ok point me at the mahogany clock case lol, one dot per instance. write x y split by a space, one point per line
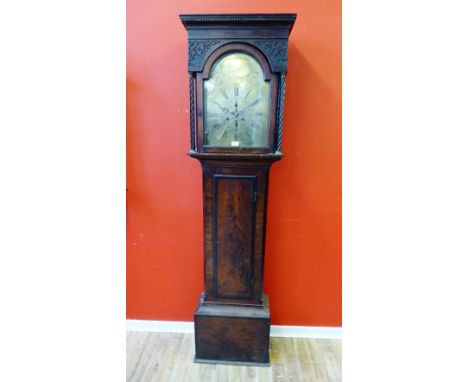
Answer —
232 319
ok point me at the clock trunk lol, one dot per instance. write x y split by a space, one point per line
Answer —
234 203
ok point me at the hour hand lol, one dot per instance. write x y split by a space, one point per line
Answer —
223 108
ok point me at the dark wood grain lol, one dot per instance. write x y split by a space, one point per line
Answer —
243 223
235 232
236 333
232 339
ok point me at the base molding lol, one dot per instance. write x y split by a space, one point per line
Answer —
256 364
275 330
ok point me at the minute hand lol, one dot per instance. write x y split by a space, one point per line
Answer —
252 104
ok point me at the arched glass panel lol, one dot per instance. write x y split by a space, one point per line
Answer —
237 101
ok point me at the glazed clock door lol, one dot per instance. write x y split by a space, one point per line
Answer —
235 93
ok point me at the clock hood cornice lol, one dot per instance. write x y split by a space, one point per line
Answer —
241 19
267 32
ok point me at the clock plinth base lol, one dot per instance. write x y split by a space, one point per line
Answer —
232 334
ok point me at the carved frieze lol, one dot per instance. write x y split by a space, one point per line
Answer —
198 50
275 50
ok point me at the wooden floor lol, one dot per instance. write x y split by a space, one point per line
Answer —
169 357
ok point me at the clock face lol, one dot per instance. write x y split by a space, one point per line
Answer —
237 100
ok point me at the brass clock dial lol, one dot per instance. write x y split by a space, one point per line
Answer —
237 102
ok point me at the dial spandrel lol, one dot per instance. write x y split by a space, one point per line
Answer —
237 102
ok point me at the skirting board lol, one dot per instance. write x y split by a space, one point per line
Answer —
275 331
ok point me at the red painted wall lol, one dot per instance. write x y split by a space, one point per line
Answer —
164 204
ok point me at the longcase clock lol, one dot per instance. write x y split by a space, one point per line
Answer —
237 67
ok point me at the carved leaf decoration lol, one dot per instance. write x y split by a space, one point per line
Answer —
276 52
198 50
